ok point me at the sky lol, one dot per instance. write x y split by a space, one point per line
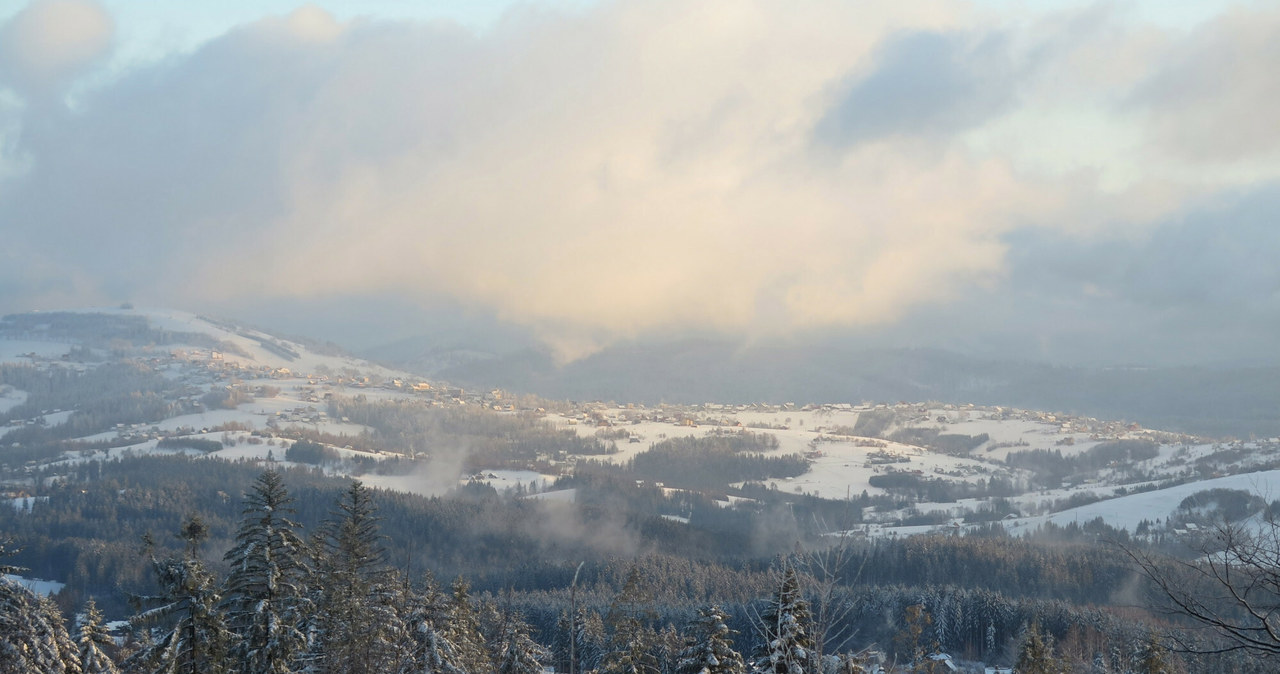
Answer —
1067 181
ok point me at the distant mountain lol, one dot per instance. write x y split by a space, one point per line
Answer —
1212 401
100 333
1204 400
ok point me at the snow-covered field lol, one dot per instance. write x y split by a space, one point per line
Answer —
45 587
841 465
11 397
1126 512
18 350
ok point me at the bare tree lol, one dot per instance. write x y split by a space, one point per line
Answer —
1231 589
828 574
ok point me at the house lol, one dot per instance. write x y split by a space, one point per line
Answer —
944 659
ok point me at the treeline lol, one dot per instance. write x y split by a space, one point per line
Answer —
86 527
198 444
99 398
1051 467
954 444
715 461
919 487
331 603
334 602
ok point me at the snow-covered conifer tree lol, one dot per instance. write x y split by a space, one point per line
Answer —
356 624
265 598
190 635
784 624
92 639
631 638
33 637
463 630
710 649
631 650
1036 654
429 649
67 651
1153 658
518 653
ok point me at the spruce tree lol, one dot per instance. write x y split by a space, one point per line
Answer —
429 649
356 626
909 642
190 634
66 647
518 653
587 631
631 638
787 646
265 599
463 630
33 637
92 640
1154 658
710 649
1036 655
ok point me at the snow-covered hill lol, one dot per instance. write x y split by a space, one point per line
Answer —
242 392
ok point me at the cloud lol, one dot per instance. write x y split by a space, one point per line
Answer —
47 43
1213 96
628 170
1216 257
924 83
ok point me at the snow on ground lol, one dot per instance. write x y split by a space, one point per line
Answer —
1012 433
841 468
286 354
46 587
10 398
255 348
56 418
254 415
1125 512
24 503
424 482
16 350
506 479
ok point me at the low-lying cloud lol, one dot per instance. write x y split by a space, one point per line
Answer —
630 169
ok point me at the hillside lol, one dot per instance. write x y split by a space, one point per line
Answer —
121 423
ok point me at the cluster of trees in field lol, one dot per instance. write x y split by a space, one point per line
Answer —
919 487
955 444
715 461
1051 467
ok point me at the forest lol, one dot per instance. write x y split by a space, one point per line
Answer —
168 543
